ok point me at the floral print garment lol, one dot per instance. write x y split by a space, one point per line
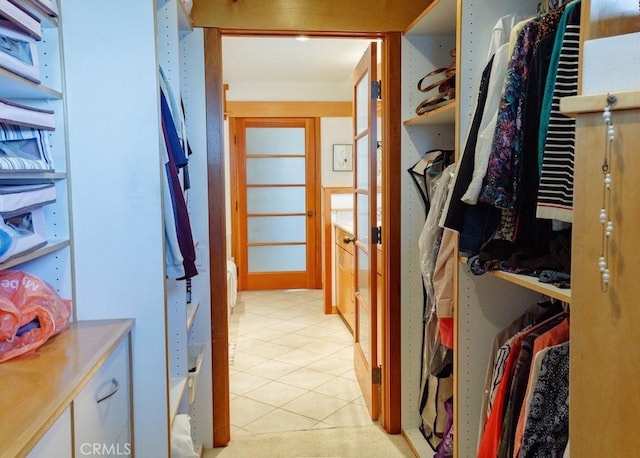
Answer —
500 182
546 429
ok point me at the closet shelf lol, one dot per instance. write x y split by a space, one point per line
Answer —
184 19
445 114
416 442
14 177
439 18
531 283
192 309
40 12
195 357
52 246
177 386
13 86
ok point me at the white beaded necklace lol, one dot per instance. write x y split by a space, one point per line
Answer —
605 210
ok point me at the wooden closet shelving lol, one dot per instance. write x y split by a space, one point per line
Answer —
445 114
484 303
426 45
531 283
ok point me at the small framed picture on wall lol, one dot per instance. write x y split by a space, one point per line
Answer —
343 158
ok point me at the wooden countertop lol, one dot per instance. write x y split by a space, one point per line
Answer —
37 388
345 226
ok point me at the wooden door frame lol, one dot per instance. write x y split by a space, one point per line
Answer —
392 171
313 203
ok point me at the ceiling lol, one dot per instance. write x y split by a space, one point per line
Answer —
285 59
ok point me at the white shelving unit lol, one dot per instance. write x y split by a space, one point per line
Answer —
53 262
198 327
102 81
125 165
181 56
111 78
426 45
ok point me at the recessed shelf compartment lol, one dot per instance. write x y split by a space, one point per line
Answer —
437 19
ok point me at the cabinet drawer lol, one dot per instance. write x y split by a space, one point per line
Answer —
341 240
101 409
57 439
345 285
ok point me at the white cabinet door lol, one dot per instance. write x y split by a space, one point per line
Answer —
56 443
102 409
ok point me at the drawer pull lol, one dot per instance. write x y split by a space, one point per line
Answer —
348 240
114 389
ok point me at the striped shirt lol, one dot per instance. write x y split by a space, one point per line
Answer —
555 193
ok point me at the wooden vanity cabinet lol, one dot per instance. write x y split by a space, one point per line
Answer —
344 268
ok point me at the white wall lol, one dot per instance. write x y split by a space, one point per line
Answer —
290 91
334 131
116 180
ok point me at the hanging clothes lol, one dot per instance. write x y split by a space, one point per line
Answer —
436 380
487 129
477 223
532 234
535 314
555 336
546 431
500 182
518 388
555 193
490 440
174 159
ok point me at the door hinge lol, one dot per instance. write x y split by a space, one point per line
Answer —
376 375
235 139
376 234
376 90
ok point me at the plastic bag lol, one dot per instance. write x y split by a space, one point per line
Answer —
181 442
31 312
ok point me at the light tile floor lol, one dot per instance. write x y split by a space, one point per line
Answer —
347 442
291 366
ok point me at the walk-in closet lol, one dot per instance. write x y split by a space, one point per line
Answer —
506 236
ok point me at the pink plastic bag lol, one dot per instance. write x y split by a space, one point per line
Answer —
25 299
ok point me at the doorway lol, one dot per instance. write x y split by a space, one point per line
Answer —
390 356
275 196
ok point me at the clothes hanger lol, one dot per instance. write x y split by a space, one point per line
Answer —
544 7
